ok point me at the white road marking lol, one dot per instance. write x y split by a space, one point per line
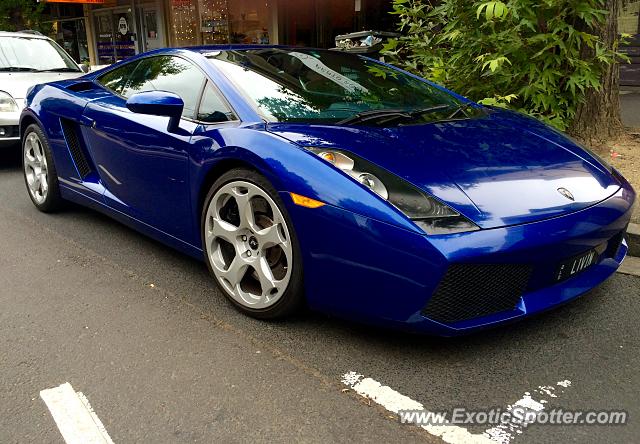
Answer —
500 434
394 402
74 416
504 433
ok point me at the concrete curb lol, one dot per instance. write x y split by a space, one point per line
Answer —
633 239
631 265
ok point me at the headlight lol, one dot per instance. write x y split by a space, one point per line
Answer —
427 212
7 104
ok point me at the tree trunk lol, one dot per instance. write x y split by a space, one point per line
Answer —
17 19
598 118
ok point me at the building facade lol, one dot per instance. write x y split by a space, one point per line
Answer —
102 32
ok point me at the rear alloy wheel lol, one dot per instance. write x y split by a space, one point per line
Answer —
250 245
39 171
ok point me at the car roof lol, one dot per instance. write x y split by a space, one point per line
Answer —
29 34
240 47
204 50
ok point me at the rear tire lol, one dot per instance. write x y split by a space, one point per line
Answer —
250 245
39 171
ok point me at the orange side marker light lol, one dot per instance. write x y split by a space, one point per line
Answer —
305 201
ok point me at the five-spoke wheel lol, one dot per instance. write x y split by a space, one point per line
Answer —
35 167
39 170
249 244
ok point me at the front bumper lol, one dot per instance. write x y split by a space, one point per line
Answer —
9 128
365 270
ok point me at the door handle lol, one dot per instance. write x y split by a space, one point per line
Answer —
87 121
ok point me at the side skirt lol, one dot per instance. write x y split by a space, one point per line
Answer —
76 196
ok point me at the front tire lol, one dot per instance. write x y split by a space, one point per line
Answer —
40 174
250 245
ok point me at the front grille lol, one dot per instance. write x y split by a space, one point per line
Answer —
473 290
70 131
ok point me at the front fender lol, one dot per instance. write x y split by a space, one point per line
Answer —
289 168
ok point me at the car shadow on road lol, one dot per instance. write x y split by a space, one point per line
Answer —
210 301
10 158
189 279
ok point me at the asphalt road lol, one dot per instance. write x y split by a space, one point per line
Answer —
141 330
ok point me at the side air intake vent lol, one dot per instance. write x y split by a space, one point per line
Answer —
470 291
82 85
70 130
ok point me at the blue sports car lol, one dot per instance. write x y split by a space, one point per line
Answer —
317 177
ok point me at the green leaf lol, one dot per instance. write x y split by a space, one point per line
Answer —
537 56
492 9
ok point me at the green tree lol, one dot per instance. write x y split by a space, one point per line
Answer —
16 15
543 57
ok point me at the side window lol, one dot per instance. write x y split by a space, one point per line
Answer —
167 73
117 79
213 108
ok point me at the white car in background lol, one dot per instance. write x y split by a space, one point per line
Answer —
27 59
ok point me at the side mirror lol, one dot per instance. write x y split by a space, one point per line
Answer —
84 68
158 103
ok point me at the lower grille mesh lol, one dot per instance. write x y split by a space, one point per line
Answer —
70 131
473 290
614 243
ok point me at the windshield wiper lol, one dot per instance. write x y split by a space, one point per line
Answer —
390 113
59 70
461 109
17 69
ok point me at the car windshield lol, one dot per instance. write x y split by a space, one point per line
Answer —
22 53
291 85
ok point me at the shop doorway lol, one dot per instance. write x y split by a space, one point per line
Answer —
153 36
115 35
315 23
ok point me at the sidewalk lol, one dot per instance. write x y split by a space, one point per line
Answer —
630 108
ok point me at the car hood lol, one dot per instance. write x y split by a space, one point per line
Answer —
18 83
500 169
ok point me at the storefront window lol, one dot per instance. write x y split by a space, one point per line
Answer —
214 21
249 21
210 22
72 36
185 22
184 18
104 38
151 25
115 39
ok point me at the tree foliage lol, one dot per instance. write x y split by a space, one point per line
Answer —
16 15
537 56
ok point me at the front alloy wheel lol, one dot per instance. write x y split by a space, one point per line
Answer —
250 246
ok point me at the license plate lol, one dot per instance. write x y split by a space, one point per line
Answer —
576 264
